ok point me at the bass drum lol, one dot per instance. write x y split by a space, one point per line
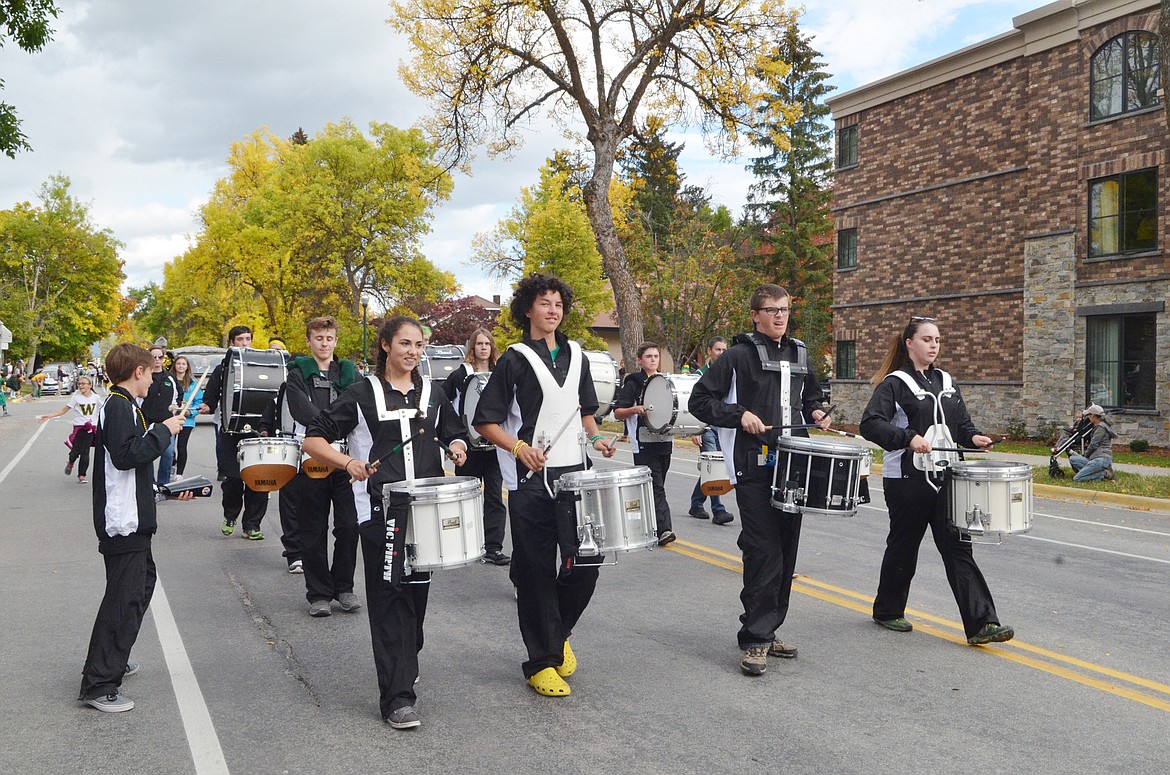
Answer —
606 379
472 389
665 397
251 381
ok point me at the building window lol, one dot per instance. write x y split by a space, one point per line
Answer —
846 360
846 248
847 146
1123 75
1120 363
1123 213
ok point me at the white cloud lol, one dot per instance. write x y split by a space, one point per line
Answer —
138 101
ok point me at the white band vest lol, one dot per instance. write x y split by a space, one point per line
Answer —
404 416
938 434
557 404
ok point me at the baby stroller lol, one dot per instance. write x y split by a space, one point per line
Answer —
1073 436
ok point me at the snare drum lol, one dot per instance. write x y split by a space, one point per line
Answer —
472 389
315 469
614 509
816 477
267 464
989 499
445 529
251 380
606 379
713 474
665 397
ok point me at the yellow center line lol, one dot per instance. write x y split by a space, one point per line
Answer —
861 603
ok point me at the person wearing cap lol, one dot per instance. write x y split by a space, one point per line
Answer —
1097 462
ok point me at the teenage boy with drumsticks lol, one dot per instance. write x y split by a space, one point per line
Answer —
125 521
650 449
740 395
527 409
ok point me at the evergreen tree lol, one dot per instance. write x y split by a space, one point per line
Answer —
789 204
650 167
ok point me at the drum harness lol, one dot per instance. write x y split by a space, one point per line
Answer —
788 373
933 463
403 416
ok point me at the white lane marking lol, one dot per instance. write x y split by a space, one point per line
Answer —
201 738
8 468
1092 548
1102 524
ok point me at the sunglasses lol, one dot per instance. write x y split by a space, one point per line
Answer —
921 319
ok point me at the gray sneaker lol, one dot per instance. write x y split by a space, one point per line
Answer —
319 608
348 602
755 661
132 668
403 718
111 703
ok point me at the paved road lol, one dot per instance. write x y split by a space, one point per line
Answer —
237 678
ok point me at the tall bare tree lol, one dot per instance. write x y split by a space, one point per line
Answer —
490 66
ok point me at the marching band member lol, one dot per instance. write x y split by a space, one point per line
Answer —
314 382
708 441
740 396
650 449
236 495
533 408
164 394
394 420
898 418
482 356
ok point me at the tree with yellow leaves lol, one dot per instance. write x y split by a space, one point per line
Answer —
488 66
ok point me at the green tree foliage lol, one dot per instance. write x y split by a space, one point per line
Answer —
61 275
789 203
548 232
26 22
650 167
305 228
695 281
489 67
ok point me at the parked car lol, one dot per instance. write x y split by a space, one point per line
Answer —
65 383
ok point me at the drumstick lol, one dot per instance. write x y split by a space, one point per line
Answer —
965 449
373 465
198 387
576 413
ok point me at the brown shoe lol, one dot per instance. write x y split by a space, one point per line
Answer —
755 661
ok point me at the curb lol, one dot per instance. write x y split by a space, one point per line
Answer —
1141 502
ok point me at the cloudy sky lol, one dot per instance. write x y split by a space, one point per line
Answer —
137 102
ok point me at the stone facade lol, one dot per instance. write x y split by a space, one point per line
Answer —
970 201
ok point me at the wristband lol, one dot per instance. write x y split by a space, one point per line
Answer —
595 438
519 445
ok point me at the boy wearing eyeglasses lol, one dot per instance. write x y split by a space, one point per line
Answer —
741 396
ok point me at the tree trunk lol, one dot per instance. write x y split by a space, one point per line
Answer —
1164 58
613 257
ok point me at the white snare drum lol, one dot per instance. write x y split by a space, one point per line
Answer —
713 478
614 509
445 529
665 397
267 464
606 379
990 499
314 469
816 477
472 389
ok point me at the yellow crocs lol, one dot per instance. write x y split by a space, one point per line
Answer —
569 665
549 684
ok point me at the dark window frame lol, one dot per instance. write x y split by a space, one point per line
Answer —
847 255
847 149
1125 216
1125 78
1134 379
845 359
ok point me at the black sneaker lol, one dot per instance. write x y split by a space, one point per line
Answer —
900 624
69 468
404 718
496 558
699 513
992 632
722 518
755 661
666 537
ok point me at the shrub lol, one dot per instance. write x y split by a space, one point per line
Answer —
1139 445
1017 429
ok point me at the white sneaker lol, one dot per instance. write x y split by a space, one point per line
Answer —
296 566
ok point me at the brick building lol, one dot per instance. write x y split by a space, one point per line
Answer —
1016 190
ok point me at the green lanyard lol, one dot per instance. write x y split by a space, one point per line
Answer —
141 416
